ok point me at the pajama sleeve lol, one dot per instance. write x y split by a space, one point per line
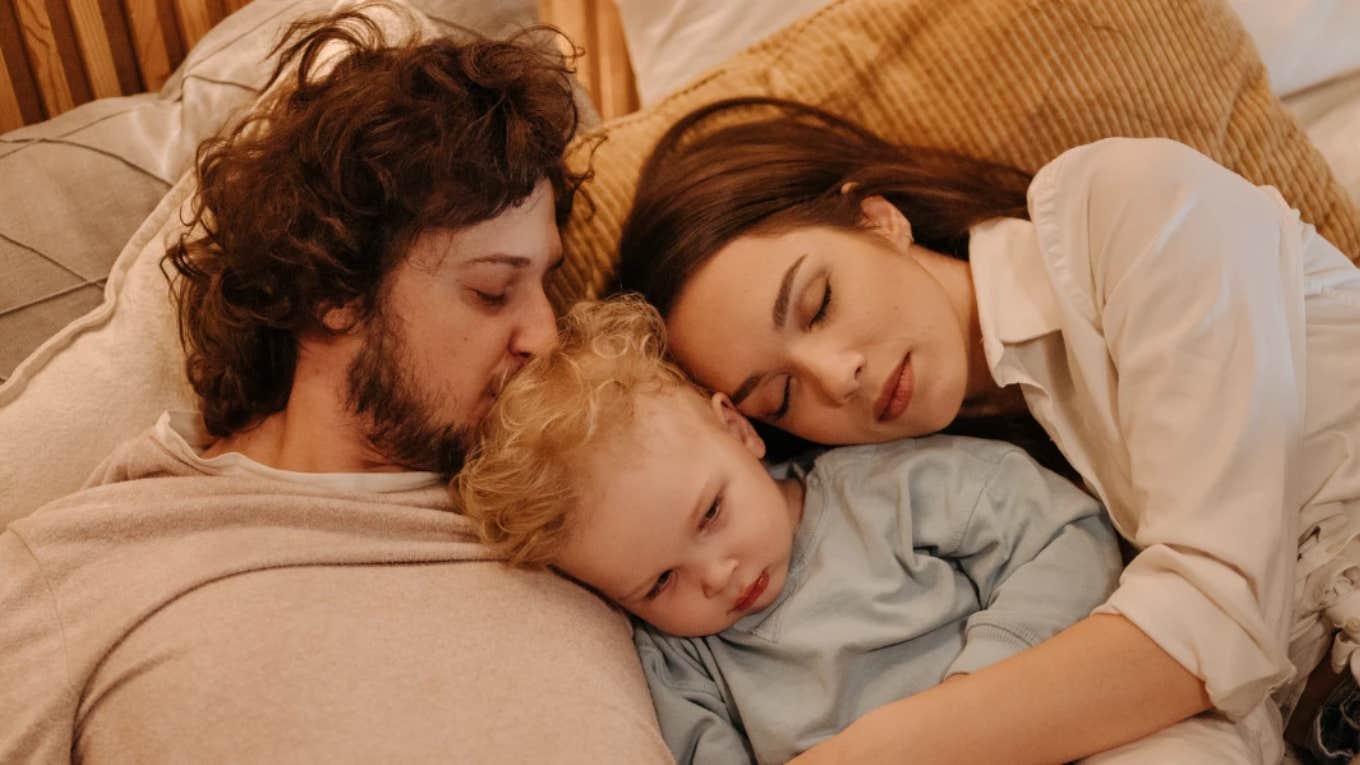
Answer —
696 719
1040 553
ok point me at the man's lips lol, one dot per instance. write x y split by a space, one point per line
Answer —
897 390
753 592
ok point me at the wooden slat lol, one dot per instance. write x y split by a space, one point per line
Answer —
20 77
44 56
617 92
148 36
94 47
236 5
195 18
121 46
11 116
574 17
69 51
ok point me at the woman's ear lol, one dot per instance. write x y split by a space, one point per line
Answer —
736 423
885 218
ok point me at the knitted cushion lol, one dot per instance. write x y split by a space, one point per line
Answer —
1013 81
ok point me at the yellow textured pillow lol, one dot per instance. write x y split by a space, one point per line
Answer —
1014 81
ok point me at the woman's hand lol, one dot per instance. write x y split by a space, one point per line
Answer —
856 743
1098 684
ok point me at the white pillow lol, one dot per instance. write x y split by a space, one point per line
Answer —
106 376
1330 115
671 43
1302 42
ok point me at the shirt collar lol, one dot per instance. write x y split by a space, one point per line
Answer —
183 433
1015 298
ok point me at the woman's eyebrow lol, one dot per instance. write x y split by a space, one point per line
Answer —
781 302
779 315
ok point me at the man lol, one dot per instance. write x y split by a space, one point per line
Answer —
279 576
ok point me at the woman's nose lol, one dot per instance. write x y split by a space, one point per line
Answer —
836 374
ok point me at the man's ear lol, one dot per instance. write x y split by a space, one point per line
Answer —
340 320
885 218
736 423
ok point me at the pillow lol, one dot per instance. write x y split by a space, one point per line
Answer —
669 43
107 375
76 186
1330 115
1012 81
1303 42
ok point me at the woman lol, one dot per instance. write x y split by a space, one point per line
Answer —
1179 334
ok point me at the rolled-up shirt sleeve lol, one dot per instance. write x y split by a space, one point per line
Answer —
1192 282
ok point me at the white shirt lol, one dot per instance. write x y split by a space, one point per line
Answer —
1194 350
183 434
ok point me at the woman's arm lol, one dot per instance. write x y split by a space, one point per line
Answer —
1181 292
1096 685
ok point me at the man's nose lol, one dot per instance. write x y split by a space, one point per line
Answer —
537 330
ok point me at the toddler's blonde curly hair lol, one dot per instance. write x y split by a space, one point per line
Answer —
522 484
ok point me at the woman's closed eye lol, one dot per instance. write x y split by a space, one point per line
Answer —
819 317
784 400
824 307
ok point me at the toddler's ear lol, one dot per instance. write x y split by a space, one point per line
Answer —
737 424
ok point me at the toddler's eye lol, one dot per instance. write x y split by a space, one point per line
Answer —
714 510
661 582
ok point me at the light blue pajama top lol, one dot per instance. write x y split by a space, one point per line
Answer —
914 560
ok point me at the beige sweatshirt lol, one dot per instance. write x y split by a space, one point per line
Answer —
170 615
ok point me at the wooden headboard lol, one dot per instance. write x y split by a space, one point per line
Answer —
57 54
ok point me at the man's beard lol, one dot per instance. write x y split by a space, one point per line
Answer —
400 418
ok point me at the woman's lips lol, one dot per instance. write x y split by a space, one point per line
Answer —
753 592
897 391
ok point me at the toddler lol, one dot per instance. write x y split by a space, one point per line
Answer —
775 610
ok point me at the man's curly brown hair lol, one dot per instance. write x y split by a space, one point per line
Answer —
312 200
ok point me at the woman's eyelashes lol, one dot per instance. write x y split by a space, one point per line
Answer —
824 307
784 399
819 316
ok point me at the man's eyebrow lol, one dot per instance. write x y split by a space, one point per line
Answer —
779 315
515 261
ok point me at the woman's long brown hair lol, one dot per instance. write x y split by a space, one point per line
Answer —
710 181
763 166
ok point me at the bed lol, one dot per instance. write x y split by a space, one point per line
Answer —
104 102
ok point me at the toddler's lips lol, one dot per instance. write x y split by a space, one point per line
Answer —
753 592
